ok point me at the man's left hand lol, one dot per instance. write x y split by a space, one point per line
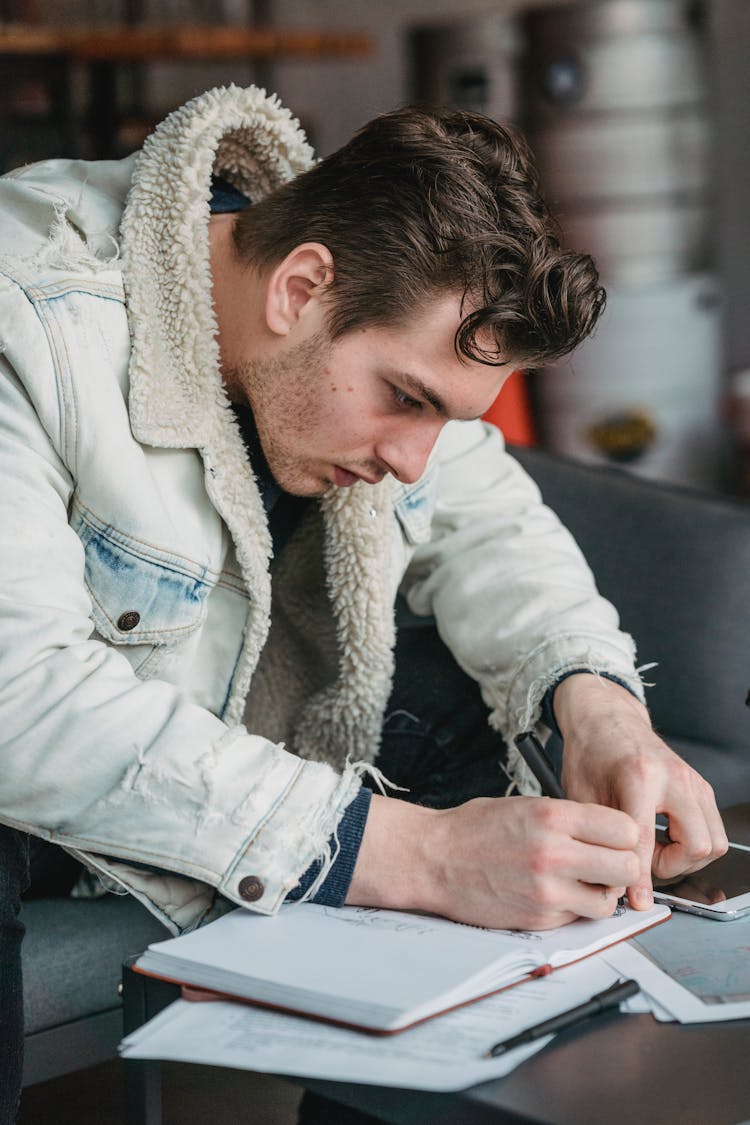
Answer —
614 757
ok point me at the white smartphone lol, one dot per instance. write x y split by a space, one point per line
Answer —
721 890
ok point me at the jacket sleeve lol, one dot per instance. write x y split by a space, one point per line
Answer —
510 590
108 765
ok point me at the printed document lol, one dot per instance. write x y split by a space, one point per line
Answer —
696 970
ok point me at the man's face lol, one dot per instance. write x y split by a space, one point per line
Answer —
370 403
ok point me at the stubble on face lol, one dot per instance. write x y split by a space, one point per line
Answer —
283 393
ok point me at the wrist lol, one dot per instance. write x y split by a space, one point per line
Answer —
396 865
582 698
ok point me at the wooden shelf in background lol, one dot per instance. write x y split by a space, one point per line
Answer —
142 44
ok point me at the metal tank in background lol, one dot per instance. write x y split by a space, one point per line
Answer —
616 104
468 63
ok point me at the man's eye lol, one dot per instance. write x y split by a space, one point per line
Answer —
406 401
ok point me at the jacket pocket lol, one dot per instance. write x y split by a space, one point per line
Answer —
139 594
414 506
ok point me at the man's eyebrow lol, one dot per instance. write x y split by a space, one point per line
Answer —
420 389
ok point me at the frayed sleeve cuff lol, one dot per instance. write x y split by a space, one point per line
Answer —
347 842
548 711
555 746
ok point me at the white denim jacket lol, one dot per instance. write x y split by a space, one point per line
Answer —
160 704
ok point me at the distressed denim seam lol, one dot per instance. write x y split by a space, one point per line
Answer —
152 553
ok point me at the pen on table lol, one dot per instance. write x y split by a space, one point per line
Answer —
533 754
602 1002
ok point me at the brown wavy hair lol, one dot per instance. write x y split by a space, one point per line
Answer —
426 201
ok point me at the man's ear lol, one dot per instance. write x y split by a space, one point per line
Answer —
296 286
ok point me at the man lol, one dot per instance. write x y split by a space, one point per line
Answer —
295 372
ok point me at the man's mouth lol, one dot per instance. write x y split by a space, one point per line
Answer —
344 479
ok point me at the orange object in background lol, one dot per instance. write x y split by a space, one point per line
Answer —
511 412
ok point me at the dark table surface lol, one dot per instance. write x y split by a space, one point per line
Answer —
627 1070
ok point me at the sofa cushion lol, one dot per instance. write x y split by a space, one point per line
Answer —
729 775
73 953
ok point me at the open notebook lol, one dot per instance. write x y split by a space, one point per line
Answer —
376 970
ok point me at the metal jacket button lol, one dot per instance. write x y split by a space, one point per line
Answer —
251 888
128 621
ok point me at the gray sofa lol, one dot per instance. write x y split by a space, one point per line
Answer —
675 563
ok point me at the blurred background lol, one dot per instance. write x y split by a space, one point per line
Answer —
636 111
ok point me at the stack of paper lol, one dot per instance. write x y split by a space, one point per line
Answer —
374 971
443 1054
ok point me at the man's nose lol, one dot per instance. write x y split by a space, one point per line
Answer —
405 457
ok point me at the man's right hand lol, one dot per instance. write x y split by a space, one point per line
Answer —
527 863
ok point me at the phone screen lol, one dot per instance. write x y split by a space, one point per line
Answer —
725 878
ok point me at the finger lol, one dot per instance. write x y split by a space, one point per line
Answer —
599 866
696 834
635 798
602 826
594 901
671 863
714 822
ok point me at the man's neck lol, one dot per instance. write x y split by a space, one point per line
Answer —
238 295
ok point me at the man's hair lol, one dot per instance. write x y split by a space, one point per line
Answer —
429 201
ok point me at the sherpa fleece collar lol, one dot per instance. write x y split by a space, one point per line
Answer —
177 397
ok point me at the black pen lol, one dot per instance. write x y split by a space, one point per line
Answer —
535 758
602 1002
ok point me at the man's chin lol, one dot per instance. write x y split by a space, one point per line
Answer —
309 488
314 492
309 480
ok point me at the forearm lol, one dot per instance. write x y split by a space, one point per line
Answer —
585 698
